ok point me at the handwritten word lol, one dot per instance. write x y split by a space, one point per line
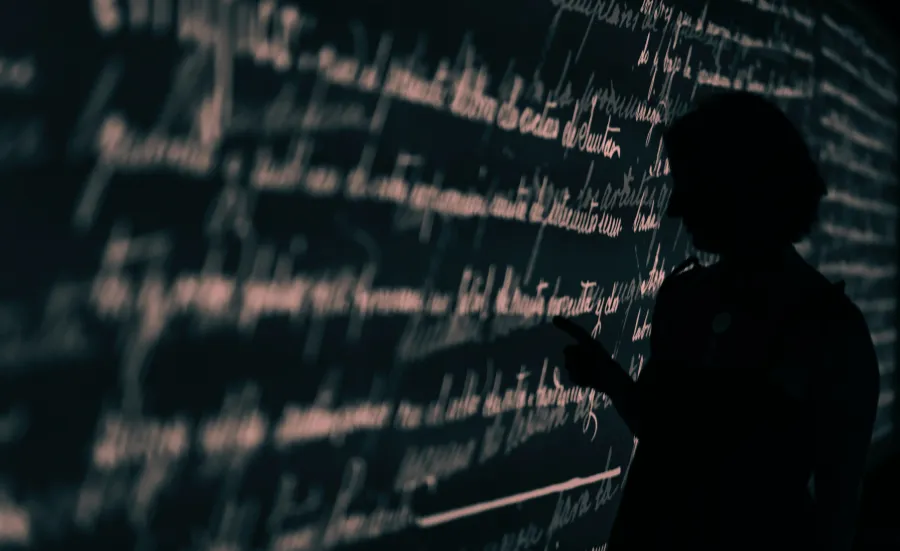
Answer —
527 121
123 442
345 526
301 424
835 122
126 149
590 142
845 157
829 89
427 465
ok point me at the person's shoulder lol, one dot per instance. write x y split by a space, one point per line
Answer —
681 283
828 301
843 322
847 322
686 274
676 292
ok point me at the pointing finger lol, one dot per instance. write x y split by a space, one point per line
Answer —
572 329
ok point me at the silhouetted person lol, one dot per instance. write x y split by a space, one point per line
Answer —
756 408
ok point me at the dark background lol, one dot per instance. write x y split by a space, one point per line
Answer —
879 529
880 512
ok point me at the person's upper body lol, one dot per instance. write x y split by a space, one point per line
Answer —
754 414
756 409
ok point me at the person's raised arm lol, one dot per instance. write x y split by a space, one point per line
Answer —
590 365
847 402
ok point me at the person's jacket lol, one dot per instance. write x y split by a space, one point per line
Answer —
750 394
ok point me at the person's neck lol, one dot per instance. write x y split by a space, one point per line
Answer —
757 259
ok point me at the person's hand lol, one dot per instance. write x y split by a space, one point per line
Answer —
587 362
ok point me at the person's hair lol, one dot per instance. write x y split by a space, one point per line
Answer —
748 143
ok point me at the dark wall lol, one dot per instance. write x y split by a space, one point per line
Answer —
286 285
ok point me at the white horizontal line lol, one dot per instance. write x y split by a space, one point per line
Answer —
883 431
853 201
887 336
850 100
884 92
842 126
877 305
857 269
853 37
856 235
478 508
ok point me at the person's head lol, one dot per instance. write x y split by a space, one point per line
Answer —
743 176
